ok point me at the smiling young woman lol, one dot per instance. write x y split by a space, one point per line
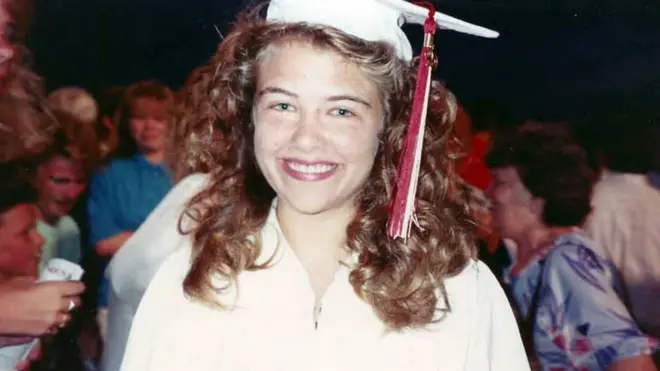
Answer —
279 254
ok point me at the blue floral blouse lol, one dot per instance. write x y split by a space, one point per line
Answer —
580 322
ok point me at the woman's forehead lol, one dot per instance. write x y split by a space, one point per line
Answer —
148 105
506 173
307 70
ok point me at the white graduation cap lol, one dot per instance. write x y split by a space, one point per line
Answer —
371 20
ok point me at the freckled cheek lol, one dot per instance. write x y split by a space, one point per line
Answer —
355 146
270 139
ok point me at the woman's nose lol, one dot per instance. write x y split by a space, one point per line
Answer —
307 134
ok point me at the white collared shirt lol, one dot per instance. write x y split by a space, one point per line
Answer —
272 326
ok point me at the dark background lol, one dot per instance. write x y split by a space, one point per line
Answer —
554 59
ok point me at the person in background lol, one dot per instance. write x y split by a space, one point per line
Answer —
61 177
475 138
20 249
27 308
123 193
76 102
90 343
625 221
567 293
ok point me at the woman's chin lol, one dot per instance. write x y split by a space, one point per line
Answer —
310 203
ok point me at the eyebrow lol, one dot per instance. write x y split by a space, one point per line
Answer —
275 90
333 98
352 98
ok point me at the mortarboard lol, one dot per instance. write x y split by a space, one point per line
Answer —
371 20
381 20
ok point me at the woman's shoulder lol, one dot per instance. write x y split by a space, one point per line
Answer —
176 266
473 272
574 246
112 171
159 236
475 294
167 282
473 287
182 192
117 164
481 309
192 184
573 260
66 224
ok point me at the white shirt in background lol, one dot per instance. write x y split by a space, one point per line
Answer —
625 223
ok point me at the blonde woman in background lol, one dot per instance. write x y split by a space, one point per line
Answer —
123 193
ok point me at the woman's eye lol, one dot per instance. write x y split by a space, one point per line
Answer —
342 112
282 107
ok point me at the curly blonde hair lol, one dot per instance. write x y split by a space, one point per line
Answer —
403 282
26 127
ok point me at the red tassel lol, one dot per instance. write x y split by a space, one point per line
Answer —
403 205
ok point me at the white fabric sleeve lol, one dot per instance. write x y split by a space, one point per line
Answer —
496 333
133 266
153 343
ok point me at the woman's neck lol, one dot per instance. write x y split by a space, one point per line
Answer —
43 217
155 157
318 240
536 241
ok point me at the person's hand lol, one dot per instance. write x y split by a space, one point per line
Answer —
28 307
34 355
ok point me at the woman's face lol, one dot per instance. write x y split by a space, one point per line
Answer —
7 47
317 118
514 207
149 124
20 243
60 182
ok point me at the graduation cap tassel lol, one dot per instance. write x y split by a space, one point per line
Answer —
402 213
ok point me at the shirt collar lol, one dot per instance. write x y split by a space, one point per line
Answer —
142 161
